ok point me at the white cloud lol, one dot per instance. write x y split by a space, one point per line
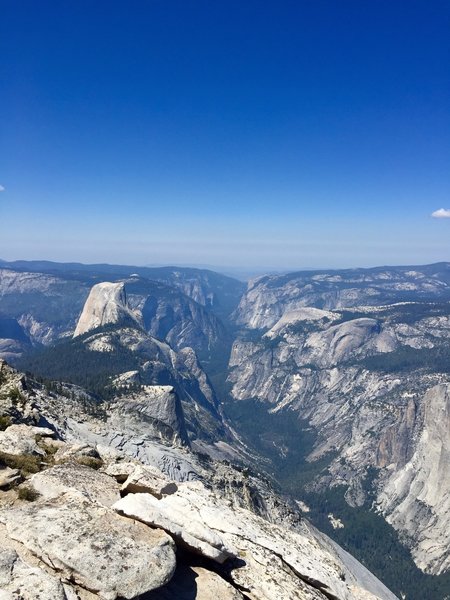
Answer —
2 189
442 213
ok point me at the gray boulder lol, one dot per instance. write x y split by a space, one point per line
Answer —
73 477
93 546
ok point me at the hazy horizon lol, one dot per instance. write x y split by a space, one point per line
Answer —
242 272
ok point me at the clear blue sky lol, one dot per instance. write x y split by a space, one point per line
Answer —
245 133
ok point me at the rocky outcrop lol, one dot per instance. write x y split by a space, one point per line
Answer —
178 516
21 439
154 411
76 478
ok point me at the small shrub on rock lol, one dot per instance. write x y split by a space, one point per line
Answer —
28 493
90 461
5 422
26 463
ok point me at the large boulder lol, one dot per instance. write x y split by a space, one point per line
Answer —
73 477
21 439
180 519
148 480
93 546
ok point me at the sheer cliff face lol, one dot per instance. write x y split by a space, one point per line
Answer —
105 305
372 382
416 497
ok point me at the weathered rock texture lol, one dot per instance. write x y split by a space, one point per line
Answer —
416 498
93 546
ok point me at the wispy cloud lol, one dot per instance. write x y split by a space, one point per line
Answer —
2 189
442 213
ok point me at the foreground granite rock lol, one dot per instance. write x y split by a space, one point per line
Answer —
271 562
21 580
178 516
93 546
76 478
21 439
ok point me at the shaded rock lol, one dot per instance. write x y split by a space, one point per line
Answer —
93 546
9 477
73 477
197 583
211 585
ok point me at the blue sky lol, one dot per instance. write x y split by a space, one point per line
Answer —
252 134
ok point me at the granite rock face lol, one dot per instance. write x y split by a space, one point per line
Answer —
105 305
416 498
93 546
